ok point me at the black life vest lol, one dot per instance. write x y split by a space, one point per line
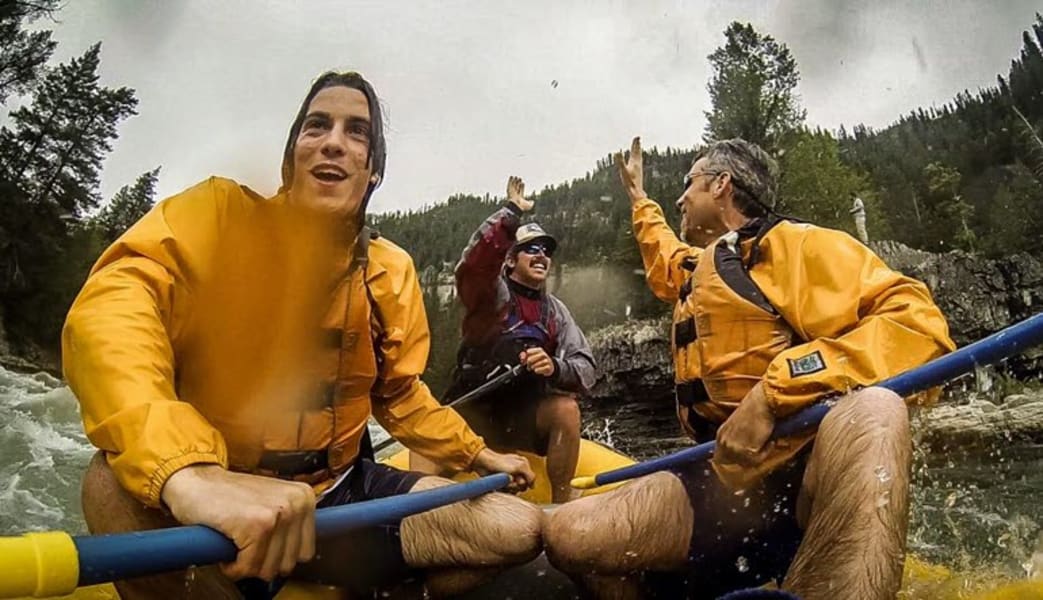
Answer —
477 363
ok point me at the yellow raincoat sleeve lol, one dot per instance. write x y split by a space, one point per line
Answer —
118 356
402 403
865 321
661 251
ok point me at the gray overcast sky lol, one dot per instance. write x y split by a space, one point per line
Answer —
467 85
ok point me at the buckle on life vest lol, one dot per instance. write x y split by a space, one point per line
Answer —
688 395
684 333
289 464
691 393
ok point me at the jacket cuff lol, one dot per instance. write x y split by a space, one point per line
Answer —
558 369
168 467
471 451
512 207
642 204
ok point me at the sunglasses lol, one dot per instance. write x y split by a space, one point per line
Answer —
689 178
534 248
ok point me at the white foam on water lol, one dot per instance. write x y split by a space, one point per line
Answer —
43 452
25 509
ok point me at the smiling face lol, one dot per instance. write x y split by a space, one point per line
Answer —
331 167
531 263
701 211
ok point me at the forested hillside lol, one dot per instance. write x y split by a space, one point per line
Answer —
967 175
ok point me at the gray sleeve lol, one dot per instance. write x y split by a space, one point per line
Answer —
575 370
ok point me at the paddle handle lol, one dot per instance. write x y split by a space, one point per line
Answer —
489 386
986 351
105 558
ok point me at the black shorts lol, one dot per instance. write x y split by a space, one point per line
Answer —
365 560
739 540
506 417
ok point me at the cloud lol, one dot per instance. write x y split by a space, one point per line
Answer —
467 85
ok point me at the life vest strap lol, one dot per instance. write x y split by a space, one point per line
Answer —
293 463
691 393
688 395
684 333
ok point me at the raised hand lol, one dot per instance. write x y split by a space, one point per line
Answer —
516 193
631 171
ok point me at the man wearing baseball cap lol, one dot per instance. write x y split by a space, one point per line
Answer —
510 319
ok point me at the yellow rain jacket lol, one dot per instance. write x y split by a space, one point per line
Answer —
231 329
818 313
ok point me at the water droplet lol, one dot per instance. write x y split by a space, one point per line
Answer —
884 499
742 564
882 474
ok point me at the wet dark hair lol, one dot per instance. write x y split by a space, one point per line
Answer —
377 145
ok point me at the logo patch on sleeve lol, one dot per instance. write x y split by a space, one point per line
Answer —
806 365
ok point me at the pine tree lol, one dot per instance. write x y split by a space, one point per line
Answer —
50 158
23 54
817 186
753 89
127 206
54 151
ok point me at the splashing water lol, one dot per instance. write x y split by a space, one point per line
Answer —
973 510
43 451
742 564
43 454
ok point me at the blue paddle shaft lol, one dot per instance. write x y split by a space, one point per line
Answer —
124 555
992 349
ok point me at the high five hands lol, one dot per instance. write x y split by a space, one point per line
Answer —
516 193
631 171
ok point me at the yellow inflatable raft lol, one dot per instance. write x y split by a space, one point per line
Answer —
922 581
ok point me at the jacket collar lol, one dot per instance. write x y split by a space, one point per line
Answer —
523 290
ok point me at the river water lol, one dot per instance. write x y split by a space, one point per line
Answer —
971 510
975 510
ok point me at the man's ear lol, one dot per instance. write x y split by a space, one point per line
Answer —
720 183
511 261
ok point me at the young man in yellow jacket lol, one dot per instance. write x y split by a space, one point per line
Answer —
227 352
770 315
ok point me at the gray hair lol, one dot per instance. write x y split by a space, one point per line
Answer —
753 172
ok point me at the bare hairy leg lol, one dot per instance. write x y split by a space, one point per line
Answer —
558 419
854 502
604 541
466 543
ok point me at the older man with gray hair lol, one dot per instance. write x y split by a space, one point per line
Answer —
770 316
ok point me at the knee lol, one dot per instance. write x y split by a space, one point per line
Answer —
572 536
493 530
564 411
99 484
109 508
872 412
519 536
563 539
